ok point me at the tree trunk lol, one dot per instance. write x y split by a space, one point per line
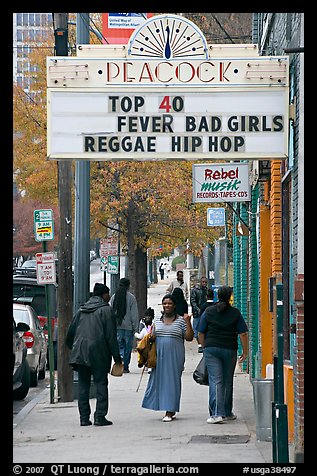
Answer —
137 261
140 274
154 270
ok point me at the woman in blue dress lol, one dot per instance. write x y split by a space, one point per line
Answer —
163 390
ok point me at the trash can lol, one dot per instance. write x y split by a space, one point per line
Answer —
263 395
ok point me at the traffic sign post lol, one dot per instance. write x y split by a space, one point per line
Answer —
45 268
44 230
113 264
103 263
43 225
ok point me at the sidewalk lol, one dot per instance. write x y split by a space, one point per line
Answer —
50 433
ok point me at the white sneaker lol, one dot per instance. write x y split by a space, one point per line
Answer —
215 419
167 418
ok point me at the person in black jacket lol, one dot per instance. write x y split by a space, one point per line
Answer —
198 295
218 331
92 338
161 270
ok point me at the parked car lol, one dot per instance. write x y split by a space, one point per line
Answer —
28 268
26 290
20 366
35 341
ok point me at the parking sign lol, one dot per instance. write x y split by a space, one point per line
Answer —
43 225
45 268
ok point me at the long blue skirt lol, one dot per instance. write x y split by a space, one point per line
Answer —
163 390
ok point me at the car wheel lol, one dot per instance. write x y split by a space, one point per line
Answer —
22 391
35 377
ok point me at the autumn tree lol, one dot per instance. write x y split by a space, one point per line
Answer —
152 204
24 243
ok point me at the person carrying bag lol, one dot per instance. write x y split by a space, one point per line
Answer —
146 349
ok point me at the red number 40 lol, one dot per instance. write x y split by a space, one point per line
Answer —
175 103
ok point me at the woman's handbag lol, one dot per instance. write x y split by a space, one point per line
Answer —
200 374
146 349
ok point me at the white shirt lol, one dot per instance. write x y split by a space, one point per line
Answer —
176 284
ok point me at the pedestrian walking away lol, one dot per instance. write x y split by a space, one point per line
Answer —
161 271
92 338
127 318
179 283
198 297
218 332
163 390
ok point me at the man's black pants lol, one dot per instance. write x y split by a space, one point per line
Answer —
101 386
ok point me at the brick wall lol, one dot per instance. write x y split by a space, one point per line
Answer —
276 217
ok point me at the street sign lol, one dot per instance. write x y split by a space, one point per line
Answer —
221 182
43 225
108 246
103 263
216 217
45 268
113 264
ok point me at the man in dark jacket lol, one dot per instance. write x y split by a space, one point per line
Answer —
198 296
92 338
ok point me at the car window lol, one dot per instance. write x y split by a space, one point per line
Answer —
29 264
21 315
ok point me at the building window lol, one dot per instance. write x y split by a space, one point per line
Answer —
19 19
44 19
25 19
20 66
26 83
38 36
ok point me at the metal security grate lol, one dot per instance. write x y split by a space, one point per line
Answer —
220 439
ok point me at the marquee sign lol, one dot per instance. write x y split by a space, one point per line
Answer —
165 96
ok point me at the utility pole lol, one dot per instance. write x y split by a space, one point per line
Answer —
65 307
82 202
